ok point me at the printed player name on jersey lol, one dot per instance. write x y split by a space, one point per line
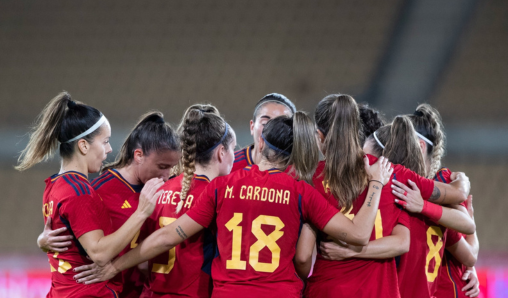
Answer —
173 197
257 193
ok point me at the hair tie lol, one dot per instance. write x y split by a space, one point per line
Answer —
419 113
71 104
274 148
219 142
378 141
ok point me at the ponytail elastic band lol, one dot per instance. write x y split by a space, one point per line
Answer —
283 152
378 141
424 138
219 142
88 131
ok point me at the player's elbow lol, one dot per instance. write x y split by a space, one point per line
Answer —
470 228
101 259
359 239
404 245
470 261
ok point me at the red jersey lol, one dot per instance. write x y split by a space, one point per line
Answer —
419 268
450 281
121 199
185 269
258 215
357 277
71 202
243 158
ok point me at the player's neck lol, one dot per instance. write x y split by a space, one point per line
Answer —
75 165
265 165
256 155
210 171
129 173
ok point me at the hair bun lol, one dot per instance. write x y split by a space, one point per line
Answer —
419 113
71 104
159 120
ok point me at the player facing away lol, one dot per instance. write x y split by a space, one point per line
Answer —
258 212
341 178
208 145
70 201
270 106
431 239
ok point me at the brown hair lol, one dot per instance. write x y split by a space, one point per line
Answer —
60 121
292 141
151 133
401 144
427 122
338 118
202 129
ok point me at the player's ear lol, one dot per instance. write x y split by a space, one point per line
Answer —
221 153
321 137
261 144
83 146
423 147
139 156
251 128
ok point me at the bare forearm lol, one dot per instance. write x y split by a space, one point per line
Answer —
364 219
457 220
473 242
384 248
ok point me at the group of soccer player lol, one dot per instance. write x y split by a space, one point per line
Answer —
179 213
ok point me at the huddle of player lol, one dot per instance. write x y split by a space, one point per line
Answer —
179 213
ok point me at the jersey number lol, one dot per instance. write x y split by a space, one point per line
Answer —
263 240
378 223
165 268
433 251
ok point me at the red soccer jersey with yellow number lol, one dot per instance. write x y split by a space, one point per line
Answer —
358 277
71 202
185 269
258 215
450 281
121 199
419 268
243 158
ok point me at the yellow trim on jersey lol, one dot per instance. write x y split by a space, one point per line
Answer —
70 172
126 205
123 180
247 155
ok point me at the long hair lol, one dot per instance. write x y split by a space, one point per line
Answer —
292 143
401 144
150 134
201 129
338 118
61 120
427 122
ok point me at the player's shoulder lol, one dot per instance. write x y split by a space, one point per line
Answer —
443 175
71 184
104 181
173 182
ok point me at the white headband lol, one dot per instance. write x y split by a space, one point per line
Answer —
425 139
90 130
378 141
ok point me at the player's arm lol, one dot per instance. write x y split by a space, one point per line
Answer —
358 230
390 246
304 249
410 199
101 249
453 193
463 253
49 240
158 242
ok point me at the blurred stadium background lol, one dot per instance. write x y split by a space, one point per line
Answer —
128 57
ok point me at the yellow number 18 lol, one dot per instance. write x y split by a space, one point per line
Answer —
263 240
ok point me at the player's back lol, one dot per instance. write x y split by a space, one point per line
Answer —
357 277
121 199
243 158
71 202
259 215
185 269
419 268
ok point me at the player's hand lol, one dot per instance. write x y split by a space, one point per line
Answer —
50 241
380 171
338 252
149 196
93 273
409 198
473 286
469 206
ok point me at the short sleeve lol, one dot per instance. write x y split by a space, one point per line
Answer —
444 175
86 213
425 185
452 237
314 207
204 211
404 219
